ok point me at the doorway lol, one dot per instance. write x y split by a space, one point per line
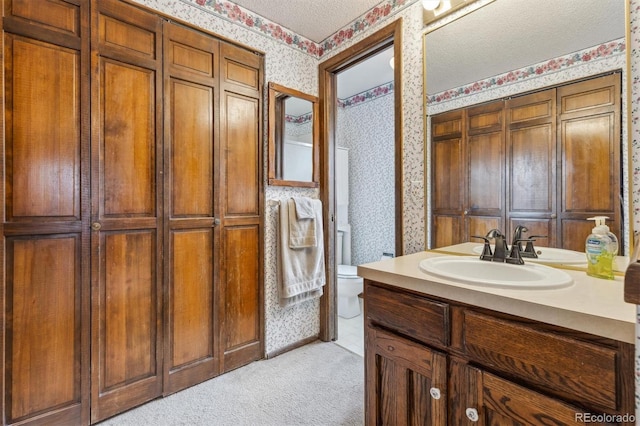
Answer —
387 37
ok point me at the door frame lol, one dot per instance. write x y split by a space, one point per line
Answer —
390 35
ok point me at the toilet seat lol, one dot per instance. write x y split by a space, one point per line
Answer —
348 272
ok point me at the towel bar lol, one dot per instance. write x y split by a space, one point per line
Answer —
274 202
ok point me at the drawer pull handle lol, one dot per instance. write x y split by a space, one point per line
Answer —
391 348
472 414
435 393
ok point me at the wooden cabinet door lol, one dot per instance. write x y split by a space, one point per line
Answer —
503 403
241 289
448 177
406 383
531 165
589 144
191 247
126 192
45 213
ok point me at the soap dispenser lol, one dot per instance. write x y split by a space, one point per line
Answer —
601 249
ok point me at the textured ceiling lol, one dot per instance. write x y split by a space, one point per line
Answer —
502 36
511 34
313 19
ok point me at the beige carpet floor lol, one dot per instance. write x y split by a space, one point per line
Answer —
317 384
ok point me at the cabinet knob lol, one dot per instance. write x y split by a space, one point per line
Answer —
472 414
216 222
435 393
553 216
96 226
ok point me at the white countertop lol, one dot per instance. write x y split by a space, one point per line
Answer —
590 305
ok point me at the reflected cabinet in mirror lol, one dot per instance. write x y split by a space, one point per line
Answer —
528 130
293 137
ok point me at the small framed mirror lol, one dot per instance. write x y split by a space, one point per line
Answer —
293 138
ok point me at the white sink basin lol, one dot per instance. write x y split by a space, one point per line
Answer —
550 255
493 274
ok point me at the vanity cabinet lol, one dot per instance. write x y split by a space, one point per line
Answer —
546 160
434 361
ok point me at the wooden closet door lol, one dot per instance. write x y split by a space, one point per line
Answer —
448 177
531 165
126 240
589 148
484 204
45 235
241 292
191 202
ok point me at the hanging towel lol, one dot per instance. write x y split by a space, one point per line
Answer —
301 270
304 208
302 226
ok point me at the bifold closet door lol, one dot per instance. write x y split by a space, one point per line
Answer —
126 240
191 181
241 292
45 217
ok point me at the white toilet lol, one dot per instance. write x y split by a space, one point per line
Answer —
349 283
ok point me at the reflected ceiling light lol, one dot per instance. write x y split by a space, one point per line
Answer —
391 63
430 4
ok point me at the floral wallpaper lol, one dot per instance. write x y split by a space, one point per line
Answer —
366 128
247 19
555 65
367 95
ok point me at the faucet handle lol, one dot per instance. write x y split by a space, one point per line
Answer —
529 250
515 257
486 249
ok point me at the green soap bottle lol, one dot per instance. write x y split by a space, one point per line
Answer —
601 249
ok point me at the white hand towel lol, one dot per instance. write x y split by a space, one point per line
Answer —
301 272
302 231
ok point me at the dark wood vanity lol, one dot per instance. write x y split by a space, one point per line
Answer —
432 360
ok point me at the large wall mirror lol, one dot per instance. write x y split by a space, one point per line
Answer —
293 137
487 50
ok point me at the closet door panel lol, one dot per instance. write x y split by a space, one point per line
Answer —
241 300
589 131
128 167
241 289
127 349
44 314
44 244
192 297
532 169
43 132
192 149
485 169
241 154
191 130
589 147
129 311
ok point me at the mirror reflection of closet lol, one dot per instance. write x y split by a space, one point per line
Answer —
293 137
